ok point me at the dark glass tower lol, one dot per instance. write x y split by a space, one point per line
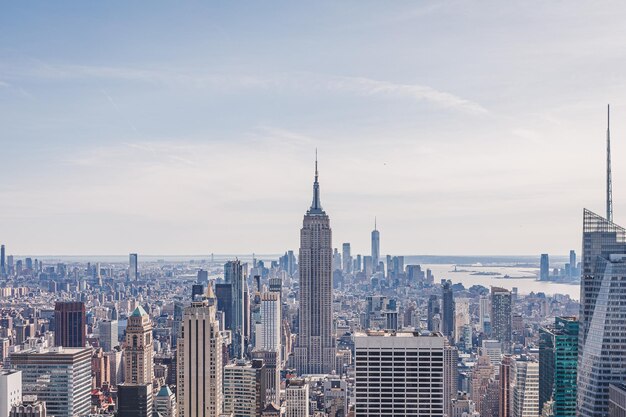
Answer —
70 321
501 305
558 360
448 310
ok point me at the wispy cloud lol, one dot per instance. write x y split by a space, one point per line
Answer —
306 82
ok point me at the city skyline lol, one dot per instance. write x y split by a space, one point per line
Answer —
125 136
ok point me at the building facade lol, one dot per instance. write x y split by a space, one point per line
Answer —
315 349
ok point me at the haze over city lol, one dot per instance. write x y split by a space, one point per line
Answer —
465 128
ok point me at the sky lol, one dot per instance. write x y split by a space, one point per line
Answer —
465 128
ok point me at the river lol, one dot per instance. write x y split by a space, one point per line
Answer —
522 278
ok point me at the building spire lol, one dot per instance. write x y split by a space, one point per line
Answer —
375 223
316 206
609 184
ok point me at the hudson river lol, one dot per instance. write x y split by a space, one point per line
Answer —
522 278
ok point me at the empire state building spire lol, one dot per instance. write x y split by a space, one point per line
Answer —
316 205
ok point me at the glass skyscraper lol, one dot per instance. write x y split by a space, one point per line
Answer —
558 358
602 336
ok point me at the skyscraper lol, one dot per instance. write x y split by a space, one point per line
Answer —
297 398
315 349
413 368
572 263
139 351
199 388
375 247
433 310
544 268
133 262
59 376
268 344
448 310
347 258
501 305
3 269
70 324
525 389
235 274
108 334
602 334
243 388
558 356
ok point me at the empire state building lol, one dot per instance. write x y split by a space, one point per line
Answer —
315 349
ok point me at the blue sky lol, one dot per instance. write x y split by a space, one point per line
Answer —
162 128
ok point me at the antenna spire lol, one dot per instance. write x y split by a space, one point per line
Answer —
609 184
375 223
316 206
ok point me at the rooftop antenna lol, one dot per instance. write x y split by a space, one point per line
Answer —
609 185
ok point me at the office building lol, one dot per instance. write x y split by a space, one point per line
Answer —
200 365
268 343
493 349
501 310
70 322
165 402
297 398
525 389
61 377
203 277
447 308
400 374
558 360
133 267
139 350
506 375
602 335
134 400
617 400
3 268
544 267
375 247
346 258
244 393
572 263
10 390
235 274
315 348
433 312
108 334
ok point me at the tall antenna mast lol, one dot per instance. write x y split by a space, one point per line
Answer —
609 185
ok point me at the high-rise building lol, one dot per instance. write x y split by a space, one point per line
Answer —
108 334
617 400
3 269
59 376
447 308
200 365
203 277
558 360
138 364
501 311
572 263
133 265
134 400
400 374
268 344
10 390
297 398
544 267
70 321
493 349
525 389
602 335
375 247
347 258
433 310
484 314
243 388
315 349
30 407
235 274
506 375
482 375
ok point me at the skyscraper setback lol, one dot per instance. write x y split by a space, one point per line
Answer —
315 349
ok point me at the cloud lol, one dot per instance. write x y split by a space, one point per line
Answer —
418 92
306 82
